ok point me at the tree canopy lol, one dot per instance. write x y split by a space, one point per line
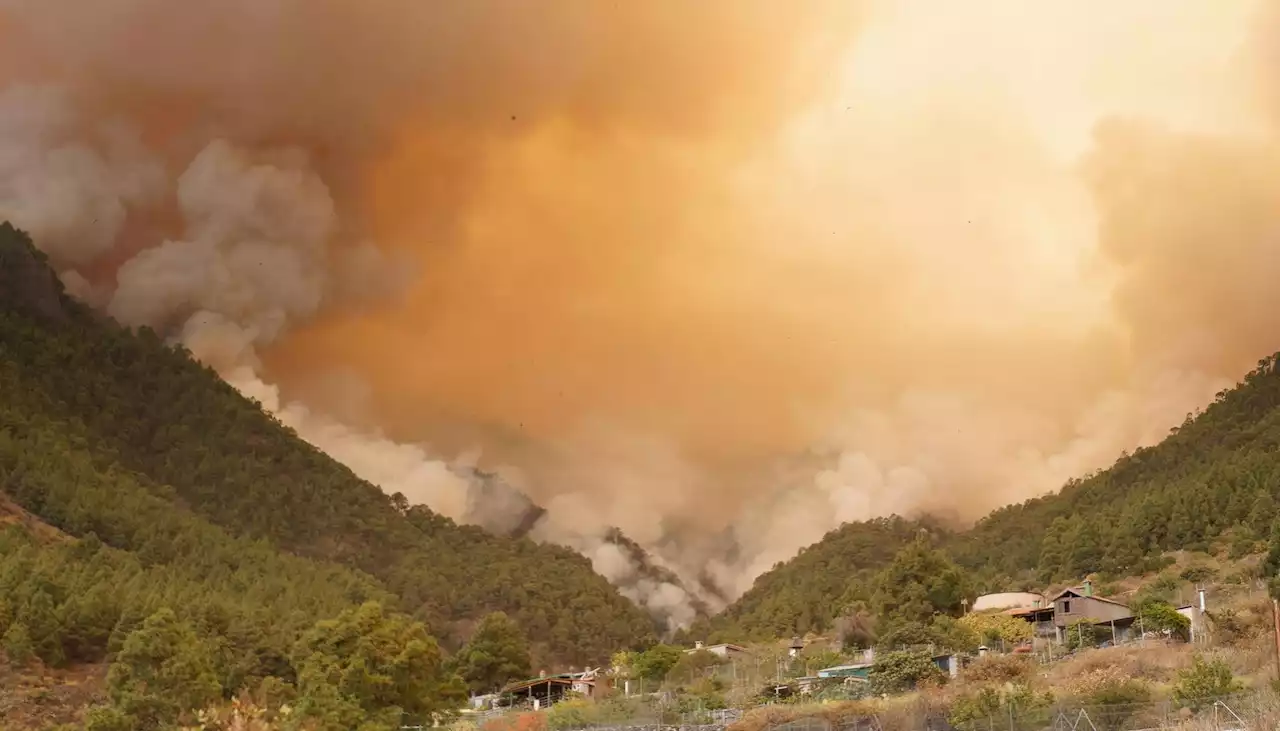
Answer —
136 485
496 654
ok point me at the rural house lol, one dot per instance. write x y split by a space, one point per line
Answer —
1076 604
1079 604
724 649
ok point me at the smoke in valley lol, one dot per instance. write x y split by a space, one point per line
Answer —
720 275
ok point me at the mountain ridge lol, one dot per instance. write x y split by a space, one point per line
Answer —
149 413
158 431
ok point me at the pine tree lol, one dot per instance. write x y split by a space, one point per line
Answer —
162 671
370 660
497 653
1269 570
920 582
1086 547
1055 550
17 644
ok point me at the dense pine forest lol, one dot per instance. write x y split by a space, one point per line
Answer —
192 526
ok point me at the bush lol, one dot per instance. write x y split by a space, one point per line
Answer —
1160 616
904 670
17 644
1197 574
1243 544
992 629
999 669
1111 695
655 662
1152 564
692 667
1083 634
1164 586
1230 626
1204 682
1020 701
983 704
531 721
571 714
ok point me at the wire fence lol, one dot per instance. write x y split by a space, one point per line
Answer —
1227 713
1244 712
1235 713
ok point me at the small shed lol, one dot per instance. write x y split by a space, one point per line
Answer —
860 670
550 689
796 646
1196 616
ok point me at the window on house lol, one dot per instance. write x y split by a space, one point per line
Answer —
1066 606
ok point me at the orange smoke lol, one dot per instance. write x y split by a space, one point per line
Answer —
686 266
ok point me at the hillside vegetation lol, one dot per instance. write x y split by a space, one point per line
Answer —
811 591
1211 485
170 491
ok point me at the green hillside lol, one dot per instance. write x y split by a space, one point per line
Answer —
174 491
1214 478
1212 483
808 592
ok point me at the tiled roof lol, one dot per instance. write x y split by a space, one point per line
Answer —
1079 591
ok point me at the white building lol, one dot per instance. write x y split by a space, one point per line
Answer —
1008 600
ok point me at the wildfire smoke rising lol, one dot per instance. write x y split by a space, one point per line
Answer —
722 274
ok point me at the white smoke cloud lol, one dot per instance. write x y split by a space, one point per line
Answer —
935 445
257 257
404 468
255 252
72 191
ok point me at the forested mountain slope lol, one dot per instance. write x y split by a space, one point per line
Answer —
201 501
1216 474
811 590
1213 480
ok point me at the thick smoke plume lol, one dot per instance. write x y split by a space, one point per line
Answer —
720 274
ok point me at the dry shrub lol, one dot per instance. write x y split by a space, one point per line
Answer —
899 713
914 711
1257 657
529 721
998 669
1156 661
1243 621
1091 683
761 719
243 714
1260 710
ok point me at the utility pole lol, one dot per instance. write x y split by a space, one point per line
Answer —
1275 616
